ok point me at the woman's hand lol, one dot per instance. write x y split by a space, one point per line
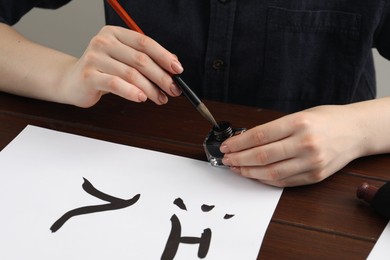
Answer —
297 149
117 60
125 63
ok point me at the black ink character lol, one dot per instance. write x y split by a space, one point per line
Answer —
175 237
115 203
207 208
228 216
180 203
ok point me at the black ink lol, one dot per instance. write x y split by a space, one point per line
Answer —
180 203
175 239
115 203
207 208
228 216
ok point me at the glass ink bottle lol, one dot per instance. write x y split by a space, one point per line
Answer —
215 138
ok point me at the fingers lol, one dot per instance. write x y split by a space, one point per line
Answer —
137 60
146 68
294 150
148 57
130 80
257 136
155 51
262 155
116 85
296 180
288 173
280 153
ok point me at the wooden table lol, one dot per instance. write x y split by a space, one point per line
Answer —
323 220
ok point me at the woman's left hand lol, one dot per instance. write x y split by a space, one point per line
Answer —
302 148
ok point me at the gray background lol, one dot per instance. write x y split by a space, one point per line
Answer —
70 28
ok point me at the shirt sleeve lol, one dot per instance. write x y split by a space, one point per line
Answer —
382 41
11 11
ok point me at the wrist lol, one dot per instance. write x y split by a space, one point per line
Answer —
372 125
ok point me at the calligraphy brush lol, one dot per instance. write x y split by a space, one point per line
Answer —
191 96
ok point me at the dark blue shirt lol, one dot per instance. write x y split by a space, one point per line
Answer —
12 10
282 55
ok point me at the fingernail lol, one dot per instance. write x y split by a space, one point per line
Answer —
162 98
142 97
224 148
175 90
176 67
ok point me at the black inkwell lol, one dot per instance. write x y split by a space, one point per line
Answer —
215 138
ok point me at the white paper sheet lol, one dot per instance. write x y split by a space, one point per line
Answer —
381 249
42 174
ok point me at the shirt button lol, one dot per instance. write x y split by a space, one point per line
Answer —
217 64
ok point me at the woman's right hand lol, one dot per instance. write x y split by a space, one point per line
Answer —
125 63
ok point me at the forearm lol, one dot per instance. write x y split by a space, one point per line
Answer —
31 70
